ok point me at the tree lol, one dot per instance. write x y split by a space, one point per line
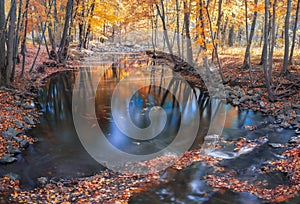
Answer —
189 49
23 45
286 38
11 41
294 33
2 44
268 78
63 48
247 62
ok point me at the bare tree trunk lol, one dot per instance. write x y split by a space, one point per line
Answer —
10 41
32 32
63 49
294 33
23 45
2 44
268 32
231 36
162 16
286 38
178 27
43 28
273 34
268 78
89 27
217 34
247 62
189 49
214 45
17 42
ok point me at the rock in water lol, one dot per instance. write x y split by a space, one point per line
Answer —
7 159
29 120
10 133
24 144
13 176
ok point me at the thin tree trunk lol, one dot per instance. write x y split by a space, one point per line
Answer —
268 78
23 46
2 44
273 34
217 34
162 16
189 49
178 27
214 45
62 52
17 42
10 41
294 33
286 38
43 27
89 27
231 36
247 62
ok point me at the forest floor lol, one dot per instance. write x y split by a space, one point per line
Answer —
18 113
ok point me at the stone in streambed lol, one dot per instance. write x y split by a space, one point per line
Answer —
13 150
295 140
276 145
24 144
7 159
29 120
19 124
13 176
10 133
42 181
28 106
236 103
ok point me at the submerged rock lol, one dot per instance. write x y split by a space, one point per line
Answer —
24 144
10 133
236 103
29 120
276 145
7 159
13 150
42 181
13 176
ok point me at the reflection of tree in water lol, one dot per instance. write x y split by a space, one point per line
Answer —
56 97
140 105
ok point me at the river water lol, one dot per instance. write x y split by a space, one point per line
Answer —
59 152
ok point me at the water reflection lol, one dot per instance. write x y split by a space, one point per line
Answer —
59 153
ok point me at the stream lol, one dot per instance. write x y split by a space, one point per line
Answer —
59 152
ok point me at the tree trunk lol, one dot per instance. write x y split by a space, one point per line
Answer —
268 78
89 27
10 41
2 44
17 42
214 45
63 49
247 62
273 34
178 27
162 16
217 34
189 49
294 33
231 36
23 46
286 38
